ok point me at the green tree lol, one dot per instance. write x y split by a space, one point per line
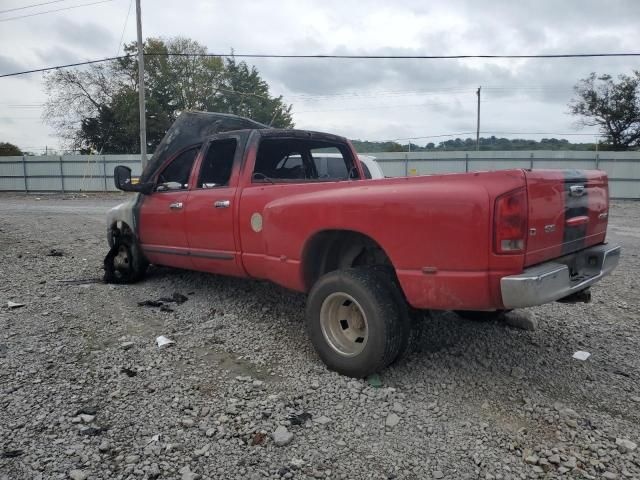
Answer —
9 150
243 92
612 106
96 109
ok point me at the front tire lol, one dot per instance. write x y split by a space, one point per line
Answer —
125 262
354 321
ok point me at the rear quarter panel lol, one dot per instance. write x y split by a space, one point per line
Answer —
438 224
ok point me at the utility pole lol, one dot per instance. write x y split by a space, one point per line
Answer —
143 121
478 122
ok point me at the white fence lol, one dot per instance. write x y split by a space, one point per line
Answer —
67 173
72 173
623 168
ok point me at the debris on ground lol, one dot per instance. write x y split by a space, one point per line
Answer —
151 303
581 355
13 305
176 298
374 380
82 281
300 418
87 410
164 341
55 253
12 453
128 372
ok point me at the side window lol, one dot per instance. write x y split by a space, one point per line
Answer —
175 176
217 164
296 160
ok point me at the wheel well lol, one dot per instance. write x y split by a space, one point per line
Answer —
119 229
337 249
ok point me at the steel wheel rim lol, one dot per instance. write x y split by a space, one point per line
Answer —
344 324
122 261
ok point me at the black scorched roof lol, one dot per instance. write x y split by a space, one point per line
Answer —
191 128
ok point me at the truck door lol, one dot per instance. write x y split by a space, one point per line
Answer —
162 230
277 167
212 207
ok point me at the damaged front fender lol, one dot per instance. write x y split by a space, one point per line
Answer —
123 216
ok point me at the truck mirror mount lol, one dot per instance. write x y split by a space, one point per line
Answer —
122 180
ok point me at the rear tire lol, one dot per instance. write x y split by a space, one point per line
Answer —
413 319
354 321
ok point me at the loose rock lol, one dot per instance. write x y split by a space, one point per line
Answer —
281 436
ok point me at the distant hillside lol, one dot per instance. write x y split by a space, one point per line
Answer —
486 144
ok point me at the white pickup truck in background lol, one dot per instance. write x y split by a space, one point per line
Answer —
371 168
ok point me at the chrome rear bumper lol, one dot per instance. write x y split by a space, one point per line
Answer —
552 281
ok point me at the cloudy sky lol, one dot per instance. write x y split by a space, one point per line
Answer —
364 99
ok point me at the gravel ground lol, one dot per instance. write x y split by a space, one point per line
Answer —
85 393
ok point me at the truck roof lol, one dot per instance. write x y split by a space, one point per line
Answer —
195 127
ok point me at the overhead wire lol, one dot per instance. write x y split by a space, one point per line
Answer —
126 20
31 6
53 11
320 57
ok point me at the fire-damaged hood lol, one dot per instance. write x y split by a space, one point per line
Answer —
191 128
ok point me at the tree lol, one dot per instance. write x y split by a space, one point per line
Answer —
96 109
613 106
244 93
9 150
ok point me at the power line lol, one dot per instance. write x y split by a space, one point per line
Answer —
543 133
126 19
55 10
400 57
432 136
377 107
488 132
68 65
31 6
351 57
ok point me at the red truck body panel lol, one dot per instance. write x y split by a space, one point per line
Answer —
579 220
437 231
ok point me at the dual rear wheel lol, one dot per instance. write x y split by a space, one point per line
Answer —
358 320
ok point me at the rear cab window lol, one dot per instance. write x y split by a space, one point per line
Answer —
303 160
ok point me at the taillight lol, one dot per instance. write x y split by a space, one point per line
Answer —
510 222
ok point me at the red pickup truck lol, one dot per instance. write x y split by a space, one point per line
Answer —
227 195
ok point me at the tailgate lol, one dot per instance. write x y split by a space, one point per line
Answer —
568 211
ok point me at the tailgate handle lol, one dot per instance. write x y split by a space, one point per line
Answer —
175 206
576 190
576 221
222 204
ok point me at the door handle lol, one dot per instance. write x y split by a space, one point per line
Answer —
222 204
175 206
